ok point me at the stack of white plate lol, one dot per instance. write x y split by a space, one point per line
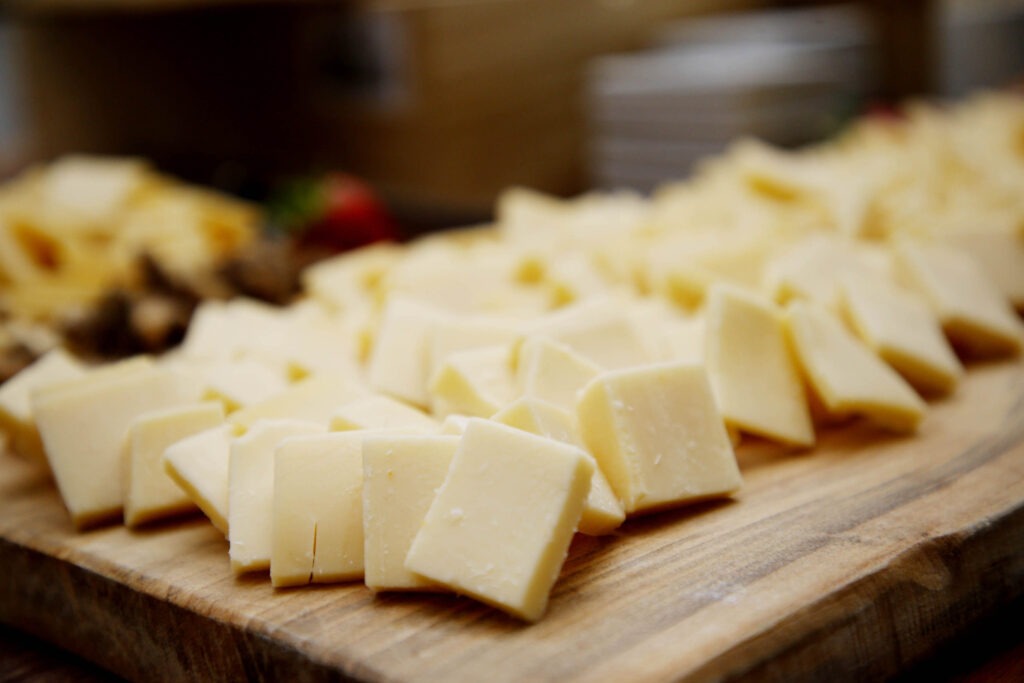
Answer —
786 76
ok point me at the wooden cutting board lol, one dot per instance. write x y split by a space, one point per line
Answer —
850 561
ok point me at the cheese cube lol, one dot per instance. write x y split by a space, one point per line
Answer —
251 490
753 374
845 375
974 314
16 417
549 370
658 436
476 382
500 526
199 465
317 512
401 475
602 513
399 364
900 328
314 398
381 412
84 428
149 493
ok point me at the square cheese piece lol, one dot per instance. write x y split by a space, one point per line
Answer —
381 412
251 490
400 360
318 509
603 512
845 375
658 436
149 492
314 399
199 465
500 526
753 373
84 428
552 371
475 382
401 476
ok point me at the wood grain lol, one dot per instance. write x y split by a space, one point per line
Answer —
849 562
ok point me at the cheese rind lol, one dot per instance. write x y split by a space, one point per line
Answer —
251 490
401 476
845 375
499 528
752 371
658 436
199 465
149 492
317 515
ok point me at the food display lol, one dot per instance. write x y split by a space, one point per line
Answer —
445 415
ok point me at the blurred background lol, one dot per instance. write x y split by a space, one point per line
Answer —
440 104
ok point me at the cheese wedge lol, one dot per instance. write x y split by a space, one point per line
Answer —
251 490
149 492
602 513
199 465
381 412
845 375
658 436
753 374
500 526
401 476
317 509
899 327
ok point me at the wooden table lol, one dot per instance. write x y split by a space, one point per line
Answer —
854 561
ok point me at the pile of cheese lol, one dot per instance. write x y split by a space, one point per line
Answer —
445 415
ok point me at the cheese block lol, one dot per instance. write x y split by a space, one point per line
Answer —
845 375
84 428
199 465
313 398
381 412
251 490
399 362
753 374
401 475
500 526
602 513
317 511
974 314
476 382
658 436
149 492
16 418
899 327
549 370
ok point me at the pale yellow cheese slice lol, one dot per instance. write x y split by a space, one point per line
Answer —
240 382
475 382
84 428
753 374
317 512
898 326
1000 253
552 371
845 375
251 490
462 333
199 465
602 513
400 362
454 424
16 417
974 314
500 526
401 476
314 398
149 492
601 330
381 412
658 436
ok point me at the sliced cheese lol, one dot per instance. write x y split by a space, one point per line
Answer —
658 436
401 476
314 398
149 492
199 465
317 512
399 363
476 382
381 412
600 330
845 375
549 370
500 526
